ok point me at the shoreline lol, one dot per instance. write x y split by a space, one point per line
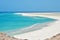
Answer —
44 33
29 29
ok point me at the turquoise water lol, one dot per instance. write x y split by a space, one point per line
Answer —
11 21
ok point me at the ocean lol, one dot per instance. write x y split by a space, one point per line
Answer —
11 21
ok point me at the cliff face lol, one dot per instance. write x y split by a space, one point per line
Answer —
6 37
56 37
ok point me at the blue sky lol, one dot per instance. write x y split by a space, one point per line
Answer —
29 5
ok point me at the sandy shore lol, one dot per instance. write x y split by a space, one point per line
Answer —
44 33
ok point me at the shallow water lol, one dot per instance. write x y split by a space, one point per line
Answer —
11 21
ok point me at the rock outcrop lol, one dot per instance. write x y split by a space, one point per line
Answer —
6 37
57 37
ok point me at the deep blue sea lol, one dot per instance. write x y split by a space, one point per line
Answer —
11 21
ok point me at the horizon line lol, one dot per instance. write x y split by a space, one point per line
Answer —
30 12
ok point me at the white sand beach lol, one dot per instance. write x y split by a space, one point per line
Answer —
44 33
